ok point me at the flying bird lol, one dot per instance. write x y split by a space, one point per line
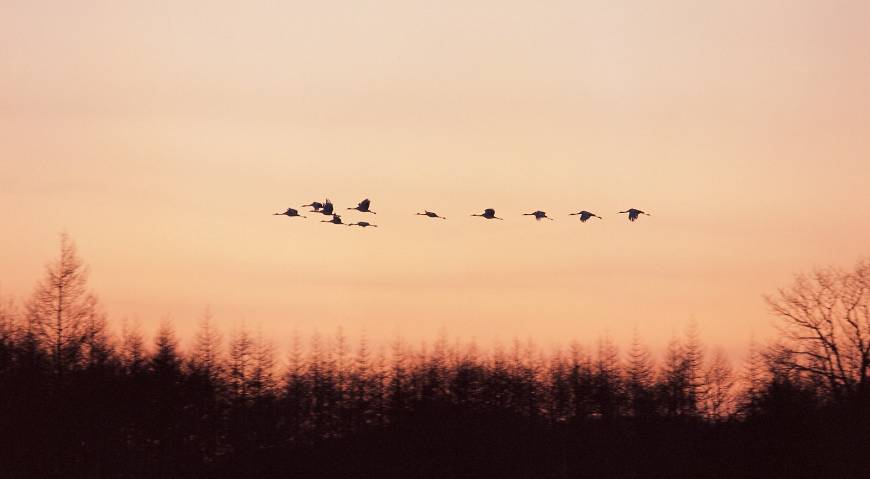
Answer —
327 207
316 205
489 214
585 215
431 215
363 206
539 215
634 213
290 213
364 224
336 220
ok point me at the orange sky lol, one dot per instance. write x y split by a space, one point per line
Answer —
162 136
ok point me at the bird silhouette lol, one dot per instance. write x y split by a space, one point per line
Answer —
327 207
585 215
363 206
431 215
290 212
634 213
316 205
489 214
364 224
336 220
539 215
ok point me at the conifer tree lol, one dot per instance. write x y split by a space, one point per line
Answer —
60 308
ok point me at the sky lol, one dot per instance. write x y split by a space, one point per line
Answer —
162 136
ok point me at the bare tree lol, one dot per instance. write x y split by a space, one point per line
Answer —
640 378
752 379
360 383
580 380
296 395
398 393
205 358
99 349
241 364
607 380
559 397
672 383
132 348
378 377
8 331
693 357
166 360
262 382
61 308
8 320
825 325
719 381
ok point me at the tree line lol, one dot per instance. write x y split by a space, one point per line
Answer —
78 401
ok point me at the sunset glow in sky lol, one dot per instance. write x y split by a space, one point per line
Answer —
163 135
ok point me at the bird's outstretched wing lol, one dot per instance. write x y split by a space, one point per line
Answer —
364 204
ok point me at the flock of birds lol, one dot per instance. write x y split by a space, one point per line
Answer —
364 206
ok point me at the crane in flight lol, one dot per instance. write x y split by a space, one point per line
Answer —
585 215
327 207
363 206
634 213
489 214
316 205
363 224
290 213
431 214
539 215
336 220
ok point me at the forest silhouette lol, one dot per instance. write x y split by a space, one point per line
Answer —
78 401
